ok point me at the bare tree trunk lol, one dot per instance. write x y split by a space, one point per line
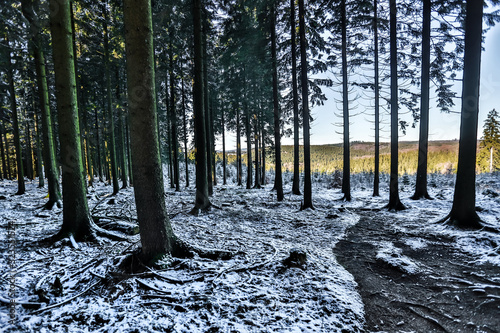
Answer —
76 216
305 106
202 199
346 174
376 179
15 124
295 92
423 143
157 237
278 182
463 212
186 159
394 202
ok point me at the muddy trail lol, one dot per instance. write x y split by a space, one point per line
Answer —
427 284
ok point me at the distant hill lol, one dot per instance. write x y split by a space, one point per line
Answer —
443 157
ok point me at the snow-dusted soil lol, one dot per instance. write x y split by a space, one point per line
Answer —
80 290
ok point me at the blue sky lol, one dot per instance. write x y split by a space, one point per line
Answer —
442 126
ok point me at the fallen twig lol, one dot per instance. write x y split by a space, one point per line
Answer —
67 300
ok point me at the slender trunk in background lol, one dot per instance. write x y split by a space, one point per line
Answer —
224 180
249 144
15 123
39 156
29 8
305 107
346 172
423 143
29 148
121 130
2 153
239 163
263 141
376 179
256 143
212 143
7 152
170 162
157 236
129 155
98 146
295 93
184 120
278 179
463 212
109 108
206 106
394 202
202 199
173 121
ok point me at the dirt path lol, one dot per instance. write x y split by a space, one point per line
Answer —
447 293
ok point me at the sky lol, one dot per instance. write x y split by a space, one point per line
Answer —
326 126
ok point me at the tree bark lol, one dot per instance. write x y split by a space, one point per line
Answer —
463 212
295 93
76 216
109 105
305 106
423 143
278 183
157 237
21 189
186 158
202 199
394 202
376 176
346 174
173 122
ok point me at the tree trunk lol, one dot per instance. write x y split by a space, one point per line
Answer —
224 178
39 157
249 143
295 93
29 149
239 163
76 216
256 140
5 174
129 155
394 202
202 199
7 150
186 158
264 181
109 108
463 212
15 124
376 177
98 147
278 182
305 106
346 173
157 237
206 106
173 122
423 143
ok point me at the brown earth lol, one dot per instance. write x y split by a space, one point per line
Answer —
448 294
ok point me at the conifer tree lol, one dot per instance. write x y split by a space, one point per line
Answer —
488 159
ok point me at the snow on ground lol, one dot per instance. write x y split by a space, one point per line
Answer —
255 291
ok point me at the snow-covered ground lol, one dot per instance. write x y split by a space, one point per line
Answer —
255 291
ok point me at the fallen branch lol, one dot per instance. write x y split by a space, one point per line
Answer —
24 304
66 301
428 318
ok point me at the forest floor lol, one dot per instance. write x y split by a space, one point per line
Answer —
400 272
